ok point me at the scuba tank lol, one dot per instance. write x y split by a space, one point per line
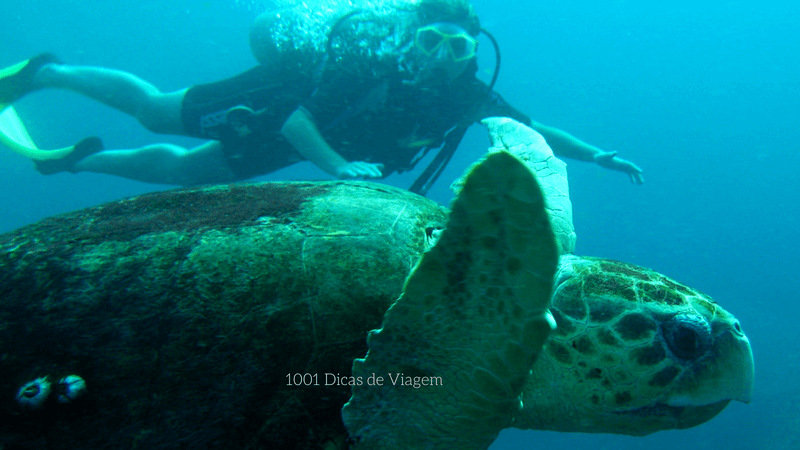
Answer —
291 37
303 41
303 38
299 39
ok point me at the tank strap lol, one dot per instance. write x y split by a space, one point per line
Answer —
428 177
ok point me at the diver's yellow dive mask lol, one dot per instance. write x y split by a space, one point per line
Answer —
445 39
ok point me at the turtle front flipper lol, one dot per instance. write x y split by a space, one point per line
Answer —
447 368
529 146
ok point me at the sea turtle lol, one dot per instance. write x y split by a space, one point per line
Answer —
633 352
231 316
637 343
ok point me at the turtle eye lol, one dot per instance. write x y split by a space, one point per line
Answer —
688 336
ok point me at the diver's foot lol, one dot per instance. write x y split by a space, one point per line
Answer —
82 149
17 81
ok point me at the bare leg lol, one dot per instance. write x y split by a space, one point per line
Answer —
157 111
163 164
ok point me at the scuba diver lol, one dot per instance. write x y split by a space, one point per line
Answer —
366 95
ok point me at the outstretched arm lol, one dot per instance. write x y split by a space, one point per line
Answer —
568 146
300 130
562 143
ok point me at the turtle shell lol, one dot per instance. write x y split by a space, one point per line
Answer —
224 317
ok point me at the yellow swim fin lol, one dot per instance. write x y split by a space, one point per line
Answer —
13 69
14 135
16 81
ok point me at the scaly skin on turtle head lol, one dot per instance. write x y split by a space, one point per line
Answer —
634 352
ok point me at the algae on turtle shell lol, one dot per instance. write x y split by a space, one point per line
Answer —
230 316
187 311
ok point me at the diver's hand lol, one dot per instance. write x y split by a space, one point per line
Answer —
360 169
609 160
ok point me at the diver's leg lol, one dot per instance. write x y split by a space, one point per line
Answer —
157 111
163 164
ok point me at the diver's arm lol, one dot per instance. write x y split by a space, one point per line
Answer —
301 131
565 144
568 146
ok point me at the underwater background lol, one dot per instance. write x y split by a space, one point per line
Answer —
702 95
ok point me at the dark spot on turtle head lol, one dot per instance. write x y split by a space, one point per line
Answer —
604 311
594 374
608 359
569 300
664 377
635 326
513 265
495 216
606 337
559 352
623 398
595 399
650 355
584 345
489 242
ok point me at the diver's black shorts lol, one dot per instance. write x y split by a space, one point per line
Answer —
258 147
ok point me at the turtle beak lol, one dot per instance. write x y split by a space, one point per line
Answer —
735 365
748 375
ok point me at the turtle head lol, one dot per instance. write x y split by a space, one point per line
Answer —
634 352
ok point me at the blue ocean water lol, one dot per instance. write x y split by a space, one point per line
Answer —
703 95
